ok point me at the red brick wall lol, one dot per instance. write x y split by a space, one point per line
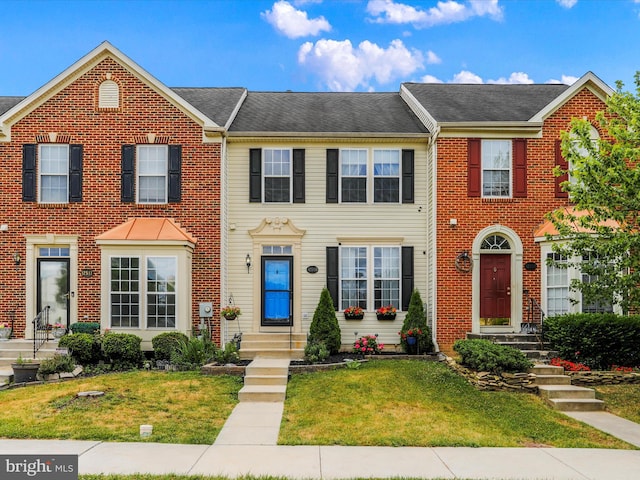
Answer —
523 215
73 112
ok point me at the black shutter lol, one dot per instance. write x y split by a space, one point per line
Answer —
332 274
127 193
407 276
474 167
298 175
175 173
29 172
75 173
255 175
332 175
407 176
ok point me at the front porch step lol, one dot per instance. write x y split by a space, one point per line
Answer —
568 392
265 380
553 380
576 404
262 393
273 345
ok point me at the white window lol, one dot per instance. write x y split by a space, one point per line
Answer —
135 301
54 173
357 176
386 176
152 165
557 286
370 276
277 175
496 168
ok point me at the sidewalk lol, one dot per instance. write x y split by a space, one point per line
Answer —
333 462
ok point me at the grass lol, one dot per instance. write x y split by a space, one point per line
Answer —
382 403
184 407
409 403
621 400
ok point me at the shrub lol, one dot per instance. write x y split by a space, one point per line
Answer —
228 354
416 319
368 345
166 343
316 352
122 350
598 340
83 347
56 364
85 327
324 327
193 353
485 356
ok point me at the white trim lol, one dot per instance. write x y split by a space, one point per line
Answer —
516 252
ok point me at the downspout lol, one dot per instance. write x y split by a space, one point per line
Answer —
224 238
433 225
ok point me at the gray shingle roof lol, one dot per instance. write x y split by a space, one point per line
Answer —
7 102
216 103
448 102
295 112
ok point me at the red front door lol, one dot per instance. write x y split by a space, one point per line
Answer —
495 289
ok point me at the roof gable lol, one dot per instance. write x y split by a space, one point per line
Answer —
86 63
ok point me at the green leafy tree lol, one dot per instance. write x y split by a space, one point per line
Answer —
416 320
324 327
603 228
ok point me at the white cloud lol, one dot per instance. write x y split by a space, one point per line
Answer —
567 3
345 68
294 23
514 78
430 79
466 77
449 11
432 58
565 80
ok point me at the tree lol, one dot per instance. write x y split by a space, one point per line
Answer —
603 229
324 327
416 320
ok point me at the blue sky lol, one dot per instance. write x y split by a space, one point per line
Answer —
325 45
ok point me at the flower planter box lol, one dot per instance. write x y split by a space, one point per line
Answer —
353 316
230 316
386 316
25 372
5 333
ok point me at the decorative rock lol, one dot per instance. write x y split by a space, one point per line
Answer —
90 393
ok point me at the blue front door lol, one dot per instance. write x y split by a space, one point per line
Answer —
277 292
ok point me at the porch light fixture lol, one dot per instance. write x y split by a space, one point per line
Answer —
247 261
16 258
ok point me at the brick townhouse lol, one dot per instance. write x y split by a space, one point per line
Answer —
139 206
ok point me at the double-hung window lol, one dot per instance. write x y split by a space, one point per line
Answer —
152 168
496 168
557 285
370 276
143 292
277 175
353 171
386 176
54 173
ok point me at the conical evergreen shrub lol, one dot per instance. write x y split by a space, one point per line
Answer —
416 318
324 326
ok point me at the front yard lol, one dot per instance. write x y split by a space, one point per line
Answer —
400 402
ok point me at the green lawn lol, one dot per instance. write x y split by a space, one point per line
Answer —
421 404
184 407
621 400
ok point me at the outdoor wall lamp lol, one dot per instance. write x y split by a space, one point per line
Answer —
16 258
247 261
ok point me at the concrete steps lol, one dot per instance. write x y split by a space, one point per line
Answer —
272 345
530 344
556 389
265 380
11 350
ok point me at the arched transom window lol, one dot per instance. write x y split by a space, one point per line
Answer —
495 242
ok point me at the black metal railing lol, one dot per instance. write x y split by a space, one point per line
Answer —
40 329
534 318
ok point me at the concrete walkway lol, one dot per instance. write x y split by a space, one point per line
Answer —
333 462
